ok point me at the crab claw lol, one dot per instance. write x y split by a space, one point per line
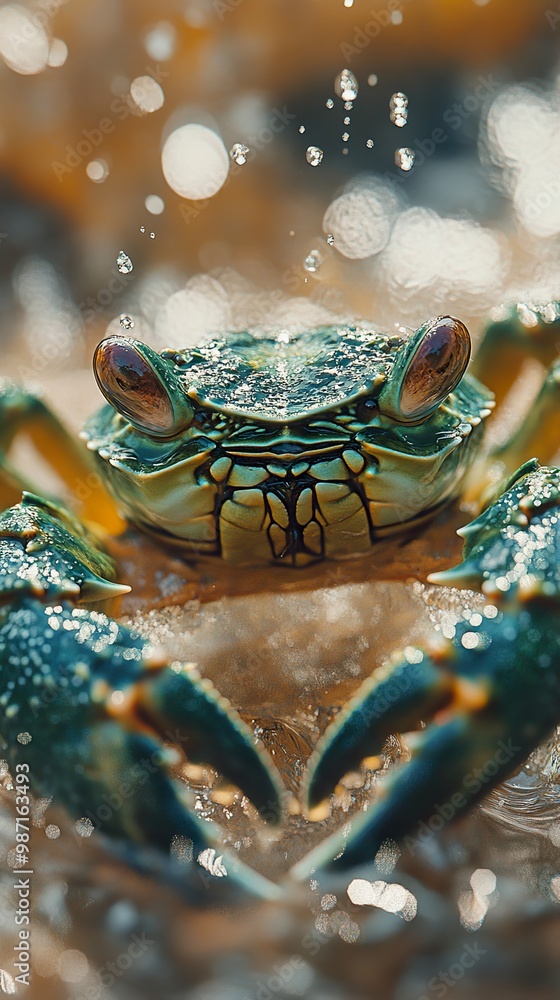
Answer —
505 688
492 691
188 711
395 699
98 705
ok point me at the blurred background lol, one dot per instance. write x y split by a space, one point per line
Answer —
185 167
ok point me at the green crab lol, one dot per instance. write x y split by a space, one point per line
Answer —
282 450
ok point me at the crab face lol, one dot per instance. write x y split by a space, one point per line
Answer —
288 448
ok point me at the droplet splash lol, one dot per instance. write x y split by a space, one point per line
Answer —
314 155
126 322
404 158
346 85
239 153
124 263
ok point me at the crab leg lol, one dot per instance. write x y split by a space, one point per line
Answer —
538 434
503 673
527 331
22 413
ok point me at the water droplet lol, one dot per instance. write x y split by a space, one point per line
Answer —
397 17
84 827
314 155
52 831
154 204
24 738
404 158
195 162
398 105
239 153
348 3
330 239
347 120
160 41
345 152
58 52
330 103
372 79
348 105
369 143
126 322
152 236
345 136
346 85
313 261
97 171
124 263
146 94
301 129
142 229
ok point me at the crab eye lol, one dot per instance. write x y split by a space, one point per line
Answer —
429 368
134 379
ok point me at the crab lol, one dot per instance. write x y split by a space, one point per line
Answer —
285 450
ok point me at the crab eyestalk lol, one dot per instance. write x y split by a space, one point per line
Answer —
142 386
427 369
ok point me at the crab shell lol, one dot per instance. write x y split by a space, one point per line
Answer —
286 448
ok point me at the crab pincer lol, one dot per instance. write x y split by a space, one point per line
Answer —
100 703
489 695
